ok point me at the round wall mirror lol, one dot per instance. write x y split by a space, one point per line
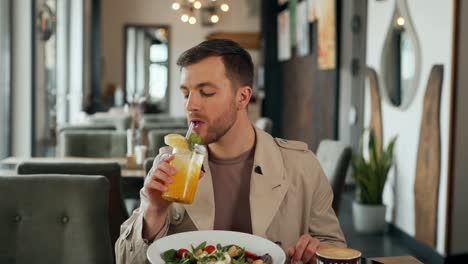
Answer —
400 59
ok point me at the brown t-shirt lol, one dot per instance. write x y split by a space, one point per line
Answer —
231 183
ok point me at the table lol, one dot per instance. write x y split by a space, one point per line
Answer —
9 164
398 260
132 178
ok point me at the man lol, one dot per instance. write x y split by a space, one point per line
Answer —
252 183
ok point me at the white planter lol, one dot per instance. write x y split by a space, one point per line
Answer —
368 219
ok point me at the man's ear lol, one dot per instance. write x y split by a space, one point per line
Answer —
244 94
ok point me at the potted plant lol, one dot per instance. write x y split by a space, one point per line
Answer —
370 176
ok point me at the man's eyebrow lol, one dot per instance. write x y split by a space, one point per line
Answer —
199 86
204 84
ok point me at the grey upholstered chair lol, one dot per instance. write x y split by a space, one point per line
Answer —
164 120
120 122
265 123
54 219
170 126
93 143
334 157
68 127
156 139
112 171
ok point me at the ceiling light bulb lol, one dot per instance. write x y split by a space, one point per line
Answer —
400 21
191 1
225 7
175 6
197 5
214 18
184 18
192 20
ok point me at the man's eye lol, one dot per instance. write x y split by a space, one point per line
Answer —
207 94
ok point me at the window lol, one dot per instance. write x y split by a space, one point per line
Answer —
146 65
158 72
5 78
58 69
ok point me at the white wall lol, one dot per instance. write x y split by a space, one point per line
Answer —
22 77
433 23
116 13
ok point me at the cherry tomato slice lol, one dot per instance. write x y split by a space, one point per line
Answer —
180 252
251 255
210 248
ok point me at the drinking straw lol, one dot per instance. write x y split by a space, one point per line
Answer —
189 131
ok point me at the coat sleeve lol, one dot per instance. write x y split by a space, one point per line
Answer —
130 246
324 224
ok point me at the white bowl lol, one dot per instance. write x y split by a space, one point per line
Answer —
254 244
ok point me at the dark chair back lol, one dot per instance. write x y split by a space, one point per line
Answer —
112 171
92 143
54 219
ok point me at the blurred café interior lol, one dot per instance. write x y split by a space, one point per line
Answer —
90 87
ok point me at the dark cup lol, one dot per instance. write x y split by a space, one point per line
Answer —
338 256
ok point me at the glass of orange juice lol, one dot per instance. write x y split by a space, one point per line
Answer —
188 164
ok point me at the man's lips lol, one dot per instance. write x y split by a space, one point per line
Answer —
197 123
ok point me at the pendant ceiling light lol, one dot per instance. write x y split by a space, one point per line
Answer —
207 11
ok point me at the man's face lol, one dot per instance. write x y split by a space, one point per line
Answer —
210 100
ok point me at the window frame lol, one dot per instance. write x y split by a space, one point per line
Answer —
9 76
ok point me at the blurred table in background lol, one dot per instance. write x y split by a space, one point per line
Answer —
132 179
397 260
10 163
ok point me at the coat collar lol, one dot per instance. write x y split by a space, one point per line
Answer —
268 187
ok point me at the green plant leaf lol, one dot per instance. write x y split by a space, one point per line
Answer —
371 175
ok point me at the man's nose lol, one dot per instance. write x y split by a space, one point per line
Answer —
193 103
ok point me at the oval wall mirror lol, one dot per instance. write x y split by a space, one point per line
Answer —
400 59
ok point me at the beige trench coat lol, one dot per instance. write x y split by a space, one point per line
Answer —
289 196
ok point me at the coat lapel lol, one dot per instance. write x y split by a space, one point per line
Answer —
268 184
202 211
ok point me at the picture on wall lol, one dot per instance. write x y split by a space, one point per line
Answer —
284 46
326 34
302 29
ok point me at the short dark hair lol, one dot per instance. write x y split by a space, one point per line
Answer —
237 61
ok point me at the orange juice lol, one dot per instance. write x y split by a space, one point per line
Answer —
188 165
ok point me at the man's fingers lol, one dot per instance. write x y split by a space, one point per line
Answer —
155 186
301 245
168 157
201 175
166 168
309 252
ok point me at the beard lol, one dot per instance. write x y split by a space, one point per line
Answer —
220 125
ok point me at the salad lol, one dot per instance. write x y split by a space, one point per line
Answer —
210 254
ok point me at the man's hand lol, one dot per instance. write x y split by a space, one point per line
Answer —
304 250
158 208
